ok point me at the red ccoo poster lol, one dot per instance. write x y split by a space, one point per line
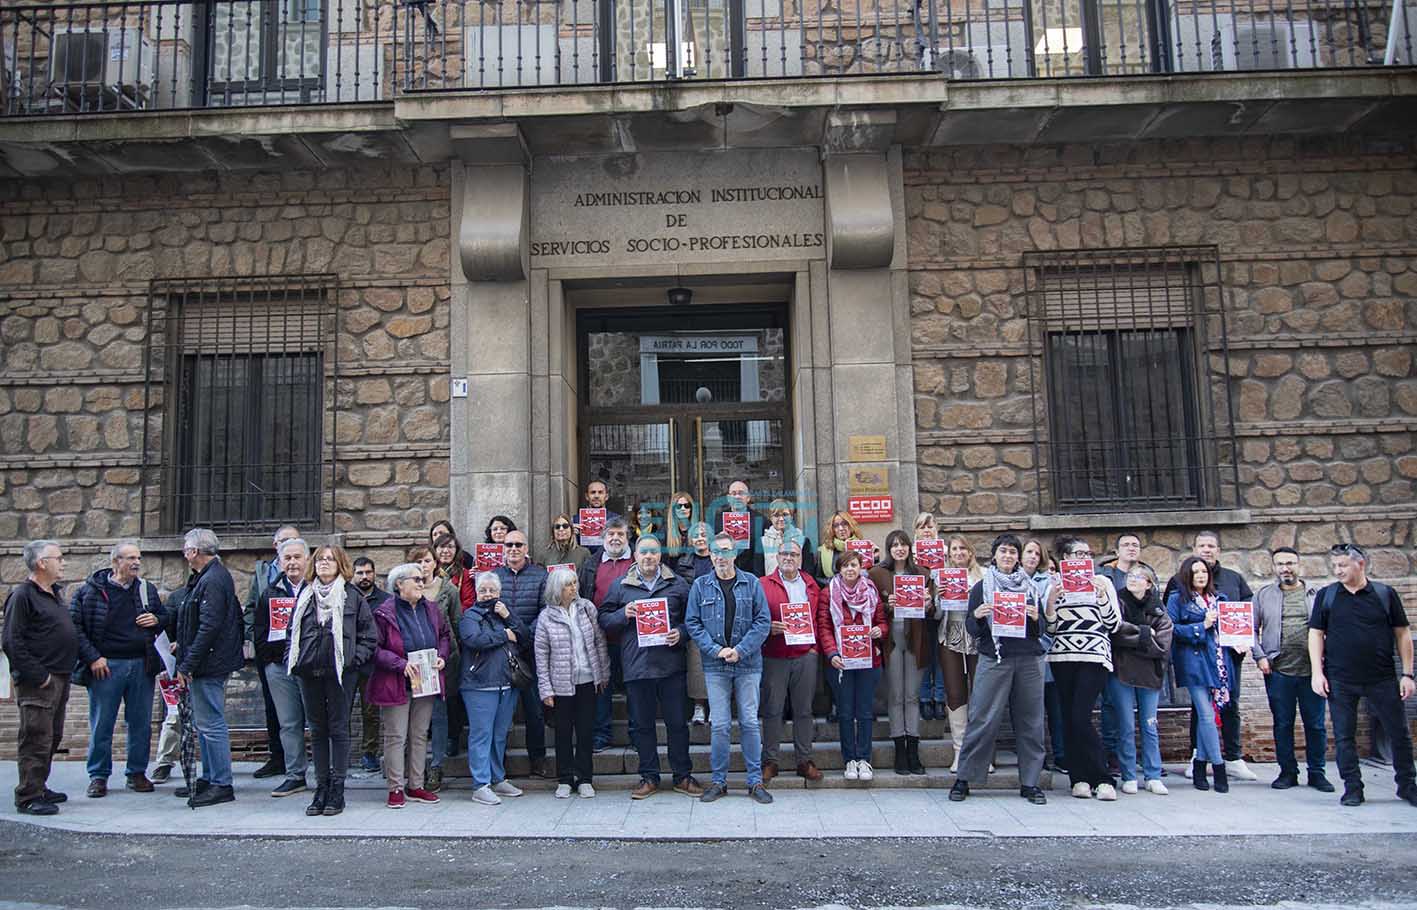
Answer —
855 646
488 556
911 596
1010 614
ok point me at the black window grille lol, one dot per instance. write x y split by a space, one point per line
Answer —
239 375
1135 395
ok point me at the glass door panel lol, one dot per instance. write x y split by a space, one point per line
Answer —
725 450
637 461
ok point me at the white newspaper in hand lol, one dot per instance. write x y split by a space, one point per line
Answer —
4 675
163 645
428 680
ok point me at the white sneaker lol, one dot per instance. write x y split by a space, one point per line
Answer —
863 768
1189 765
699 719
506 788
1082 790
851 771
563 791
485 796
1238 770
1106 792
1129 787
1157 787
585 791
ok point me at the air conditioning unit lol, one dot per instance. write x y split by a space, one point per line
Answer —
120 59
996 61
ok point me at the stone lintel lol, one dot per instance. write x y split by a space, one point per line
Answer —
1193 518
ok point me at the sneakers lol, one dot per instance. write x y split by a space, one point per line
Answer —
1083 790
98 788
714 792
1034 795
212 796
959 792
1157 787
420 795
395 800
1106 792
484 796
688 786
1238 770
506 788
1351 798
1189 768
161 774
1319 782
294 785
37 807
759 794
369 762
1129 787
700 717
851 772
1285 781
864 771
139 783
563 791
584 791
647 788
600 747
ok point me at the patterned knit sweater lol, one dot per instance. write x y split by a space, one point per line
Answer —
1082 633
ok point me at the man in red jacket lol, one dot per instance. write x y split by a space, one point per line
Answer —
789 670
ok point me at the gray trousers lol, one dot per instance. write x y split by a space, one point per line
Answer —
903 685
785 678
1014 684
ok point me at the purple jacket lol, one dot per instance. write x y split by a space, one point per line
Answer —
387 685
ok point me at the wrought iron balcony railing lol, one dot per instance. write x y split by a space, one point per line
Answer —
168 54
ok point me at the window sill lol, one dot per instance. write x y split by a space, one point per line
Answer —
1077 521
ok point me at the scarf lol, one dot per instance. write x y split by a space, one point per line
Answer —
1018 581
329 608
862 599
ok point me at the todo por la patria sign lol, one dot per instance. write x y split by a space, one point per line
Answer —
750 205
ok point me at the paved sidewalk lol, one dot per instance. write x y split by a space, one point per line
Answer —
867 811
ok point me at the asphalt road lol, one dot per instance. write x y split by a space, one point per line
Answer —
57 868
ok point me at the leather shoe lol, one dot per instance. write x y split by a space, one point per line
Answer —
1320 783
37 807
55 797
1409 795
98 788
1351 798
769 771
269 769
199 786
139 783
212 796
809 771
689 787
645 790
1286 781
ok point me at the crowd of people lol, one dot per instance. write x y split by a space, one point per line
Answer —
696 618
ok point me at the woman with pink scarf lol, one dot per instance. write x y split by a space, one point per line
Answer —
850 599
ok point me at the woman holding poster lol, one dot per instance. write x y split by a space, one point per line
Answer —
1201 667
563 550
932 684
851 619
1037 562
959 652
572 667
909 593
406 623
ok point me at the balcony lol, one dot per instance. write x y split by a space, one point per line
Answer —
165 55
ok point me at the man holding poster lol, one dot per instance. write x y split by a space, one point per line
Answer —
728 619
1010 674
270 631
789 661
590 535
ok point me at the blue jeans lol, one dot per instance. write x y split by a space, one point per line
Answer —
740 688
1285 693
213 736
1110 723
1128 701
1207 733
129 684
855 711
489 717
290 717
438 736
932 684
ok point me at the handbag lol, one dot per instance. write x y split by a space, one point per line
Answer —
518 674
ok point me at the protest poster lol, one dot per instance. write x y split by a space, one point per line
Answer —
911 596
855 647
1237 624
866 549
488 556
652 622
592 522
1077 581
798 619
739 526
278 616
930 553
953 586
1010 614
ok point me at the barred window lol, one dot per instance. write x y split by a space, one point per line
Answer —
1135 398
244 370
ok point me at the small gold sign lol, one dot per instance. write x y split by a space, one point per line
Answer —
866 448
868 479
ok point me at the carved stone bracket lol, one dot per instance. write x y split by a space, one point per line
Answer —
496 203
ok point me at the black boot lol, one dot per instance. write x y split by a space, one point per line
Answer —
912 755
901 767
1222 781
322 795
334 805
1198 775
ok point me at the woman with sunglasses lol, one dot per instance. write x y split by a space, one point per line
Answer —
563 549
677 527
782 525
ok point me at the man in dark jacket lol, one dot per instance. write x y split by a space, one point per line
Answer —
270 630
523 584
598 574
265 575
366 582
116 616
655 677
209 637
40 642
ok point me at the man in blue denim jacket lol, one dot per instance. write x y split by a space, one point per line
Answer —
727 618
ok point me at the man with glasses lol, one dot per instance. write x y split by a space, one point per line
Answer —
1354 628
117 615
728 619
1281 651
265 575
294 561
789 671
42 645
655 677
522 584
599 573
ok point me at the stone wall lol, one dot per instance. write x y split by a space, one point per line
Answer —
1316 241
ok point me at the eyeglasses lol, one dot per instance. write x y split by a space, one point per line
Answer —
685 506
514 543
560 526
1348 549
325 558
724 552
788 554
